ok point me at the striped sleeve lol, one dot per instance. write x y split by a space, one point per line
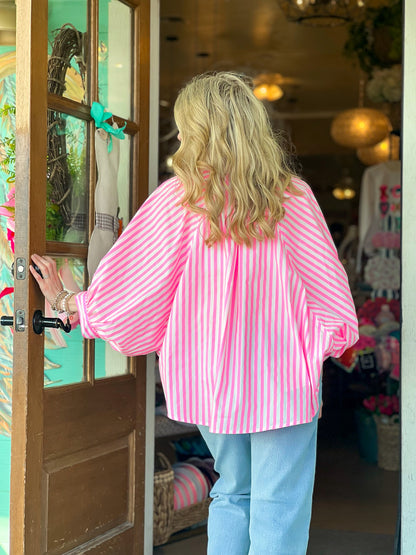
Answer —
315 260
129 300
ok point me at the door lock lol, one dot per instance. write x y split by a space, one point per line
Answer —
20 320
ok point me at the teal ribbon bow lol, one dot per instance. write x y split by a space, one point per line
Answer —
100 116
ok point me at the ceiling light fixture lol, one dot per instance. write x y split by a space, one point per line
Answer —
345 188
267 86
325 13
343 194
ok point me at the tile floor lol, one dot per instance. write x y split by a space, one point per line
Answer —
355 503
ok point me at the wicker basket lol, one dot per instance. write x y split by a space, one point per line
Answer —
167 521
162 500
388 439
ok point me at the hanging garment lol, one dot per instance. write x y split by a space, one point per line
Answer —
379 209
105 231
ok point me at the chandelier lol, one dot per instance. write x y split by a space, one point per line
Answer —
326 13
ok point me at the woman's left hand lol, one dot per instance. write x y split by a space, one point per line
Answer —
50 283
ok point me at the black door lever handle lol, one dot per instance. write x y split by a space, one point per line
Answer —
40 322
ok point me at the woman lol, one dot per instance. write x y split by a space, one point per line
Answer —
229 272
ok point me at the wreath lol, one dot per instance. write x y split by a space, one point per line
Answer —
68 44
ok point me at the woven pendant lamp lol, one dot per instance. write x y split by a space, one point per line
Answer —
387 149
360 127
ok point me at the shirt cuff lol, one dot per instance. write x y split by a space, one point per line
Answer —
87 330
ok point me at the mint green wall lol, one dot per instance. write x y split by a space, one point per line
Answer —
75 13
62 11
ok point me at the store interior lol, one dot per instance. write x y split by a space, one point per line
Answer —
329 67
329 74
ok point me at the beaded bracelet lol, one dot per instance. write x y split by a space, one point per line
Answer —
61 301
57 302
65 303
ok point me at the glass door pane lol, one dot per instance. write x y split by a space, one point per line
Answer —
67 190
64 352
67 27
109 362
115 57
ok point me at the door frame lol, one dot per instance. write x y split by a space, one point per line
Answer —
408 295
151 359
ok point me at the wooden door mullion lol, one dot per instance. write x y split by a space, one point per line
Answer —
92 88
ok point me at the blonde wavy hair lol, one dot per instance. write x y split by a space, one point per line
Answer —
232 167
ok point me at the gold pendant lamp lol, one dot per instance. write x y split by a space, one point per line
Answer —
387 149
360 127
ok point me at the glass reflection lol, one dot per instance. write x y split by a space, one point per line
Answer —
64 352
115 57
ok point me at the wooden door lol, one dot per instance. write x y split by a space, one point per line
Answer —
78 428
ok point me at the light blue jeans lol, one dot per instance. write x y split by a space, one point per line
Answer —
262 501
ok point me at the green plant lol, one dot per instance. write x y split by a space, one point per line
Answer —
76 160
54 220
376 40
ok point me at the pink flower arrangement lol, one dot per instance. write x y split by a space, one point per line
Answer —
387 405
371 308
365 342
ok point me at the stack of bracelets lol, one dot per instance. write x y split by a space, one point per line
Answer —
61 302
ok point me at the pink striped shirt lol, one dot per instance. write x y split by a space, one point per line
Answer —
241 332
